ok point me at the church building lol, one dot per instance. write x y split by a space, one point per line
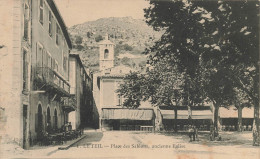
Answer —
108 112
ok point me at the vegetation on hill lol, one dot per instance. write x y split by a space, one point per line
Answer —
130 36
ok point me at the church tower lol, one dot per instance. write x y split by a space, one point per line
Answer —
106 54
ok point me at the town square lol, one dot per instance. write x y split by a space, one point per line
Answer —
129 79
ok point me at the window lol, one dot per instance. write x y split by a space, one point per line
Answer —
56 66
52 63
49 59
106 52
119 99
50 23
25 70
65 62
39 55
26 22
41 12
57 34
118 96
45 58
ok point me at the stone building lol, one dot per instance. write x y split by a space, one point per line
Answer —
35 69
108 110
81 93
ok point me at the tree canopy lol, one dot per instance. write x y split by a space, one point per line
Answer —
211 46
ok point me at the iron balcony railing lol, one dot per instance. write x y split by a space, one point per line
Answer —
53 79
69 103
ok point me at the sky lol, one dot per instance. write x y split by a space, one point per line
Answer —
79 11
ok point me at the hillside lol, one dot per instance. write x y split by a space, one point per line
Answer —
130 36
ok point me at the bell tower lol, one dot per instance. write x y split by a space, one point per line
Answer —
106 54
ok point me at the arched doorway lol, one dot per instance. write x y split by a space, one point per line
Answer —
106 52
48 120
39 123
55 119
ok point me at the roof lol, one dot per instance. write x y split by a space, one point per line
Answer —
104 42
60 21
116 72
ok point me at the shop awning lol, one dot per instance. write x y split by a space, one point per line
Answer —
129 114
228 113
182 114
167 114
201 114
248 112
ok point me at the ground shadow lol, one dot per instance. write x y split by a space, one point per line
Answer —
90 137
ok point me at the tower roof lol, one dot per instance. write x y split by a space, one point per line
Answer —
106 41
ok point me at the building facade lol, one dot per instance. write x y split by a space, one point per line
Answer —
36 68
108 110
15 74
81 93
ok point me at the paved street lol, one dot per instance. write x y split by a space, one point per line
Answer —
116 144
148 145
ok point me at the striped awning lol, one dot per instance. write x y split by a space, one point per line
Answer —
167 114
182 114
129 114
233 112
201 114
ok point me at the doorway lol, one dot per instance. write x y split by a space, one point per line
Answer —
55 120
25 123
39 123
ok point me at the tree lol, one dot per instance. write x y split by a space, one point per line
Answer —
241 100
125 61
215 40
131 90
236 33
98 38
78 40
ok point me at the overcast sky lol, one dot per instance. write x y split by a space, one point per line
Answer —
80 11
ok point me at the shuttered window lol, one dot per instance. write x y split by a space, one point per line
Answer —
41 12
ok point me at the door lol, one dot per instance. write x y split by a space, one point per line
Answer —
25 122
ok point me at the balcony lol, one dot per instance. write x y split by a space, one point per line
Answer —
69 104
53 80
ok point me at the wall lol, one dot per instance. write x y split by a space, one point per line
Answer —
81 90
40 34
96 100
108 92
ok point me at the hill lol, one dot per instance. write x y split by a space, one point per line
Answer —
130 36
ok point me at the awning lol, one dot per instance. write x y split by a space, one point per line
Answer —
167 114
129 114
228 113
201 114
233 112
182 114
248 112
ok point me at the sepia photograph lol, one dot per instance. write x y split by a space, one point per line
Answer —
129 79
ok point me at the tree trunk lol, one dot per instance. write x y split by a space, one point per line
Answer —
256 135
239 122
175 119
216 120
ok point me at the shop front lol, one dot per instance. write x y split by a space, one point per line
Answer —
123 119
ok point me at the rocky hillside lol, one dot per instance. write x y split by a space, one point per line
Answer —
130 36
